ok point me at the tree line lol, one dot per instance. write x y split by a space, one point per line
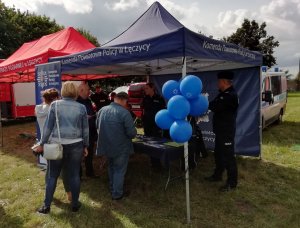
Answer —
18 27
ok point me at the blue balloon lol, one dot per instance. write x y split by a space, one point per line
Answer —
163 119
170 89
191 86
181 131
178 107
199 105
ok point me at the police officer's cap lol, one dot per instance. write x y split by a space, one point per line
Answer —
226 75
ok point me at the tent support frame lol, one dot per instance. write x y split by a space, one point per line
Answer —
186 162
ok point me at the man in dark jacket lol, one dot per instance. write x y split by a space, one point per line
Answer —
224 107
83 98
100 98
152 103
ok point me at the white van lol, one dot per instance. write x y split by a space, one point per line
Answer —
274 97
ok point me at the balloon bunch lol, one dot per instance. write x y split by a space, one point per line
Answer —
184 99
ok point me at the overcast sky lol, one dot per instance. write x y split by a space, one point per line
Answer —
107 18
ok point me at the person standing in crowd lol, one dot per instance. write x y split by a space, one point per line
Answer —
225 107
112 96
152 103
99 98
83 98
41 113
74 131
116 130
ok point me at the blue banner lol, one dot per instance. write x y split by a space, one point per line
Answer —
46 76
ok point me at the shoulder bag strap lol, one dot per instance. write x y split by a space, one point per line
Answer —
57 122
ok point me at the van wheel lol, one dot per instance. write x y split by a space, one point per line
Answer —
279 120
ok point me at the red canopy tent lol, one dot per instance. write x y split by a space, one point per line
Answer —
20 66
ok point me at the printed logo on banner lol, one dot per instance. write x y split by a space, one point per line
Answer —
47 76
42 79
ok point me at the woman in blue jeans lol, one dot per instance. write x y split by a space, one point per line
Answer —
74 132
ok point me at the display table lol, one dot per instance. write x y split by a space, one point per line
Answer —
160 148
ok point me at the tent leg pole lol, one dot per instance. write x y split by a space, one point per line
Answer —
186 163
187 182
1 129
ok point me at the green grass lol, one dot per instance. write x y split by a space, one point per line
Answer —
268 194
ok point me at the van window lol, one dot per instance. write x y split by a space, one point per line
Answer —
275 85
283 84
266 84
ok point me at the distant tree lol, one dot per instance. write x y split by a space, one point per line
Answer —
288 75
35 26
9 36
253 36
298 81
18 27
89 36
109 84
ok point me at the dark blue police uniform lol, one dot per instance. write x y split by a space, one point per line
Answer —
92 135
151 106
224 107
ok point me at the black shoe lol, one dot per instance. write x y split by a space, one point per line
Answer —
76 208
227 188
44 210
213 178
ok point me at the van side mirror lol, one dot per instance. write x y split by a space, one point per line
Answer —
267 96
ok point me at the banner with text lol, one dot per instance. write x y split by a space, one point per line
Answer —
246 83
47 76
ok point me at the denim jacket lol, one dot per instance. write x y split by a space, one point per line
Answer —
116 129
73 121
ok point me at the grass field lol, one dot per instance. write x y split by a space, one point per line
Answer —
268 194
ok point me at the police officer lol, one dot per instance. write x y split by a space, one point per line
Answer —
152 103
224 107
100 98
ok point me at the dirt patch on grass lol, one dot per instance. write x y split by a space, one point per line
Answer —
18 139
244 206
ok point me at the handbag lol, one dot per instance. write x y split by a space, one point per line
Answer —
54 151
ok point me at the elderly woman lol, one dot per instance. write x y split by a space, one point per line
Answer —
41 112
74 131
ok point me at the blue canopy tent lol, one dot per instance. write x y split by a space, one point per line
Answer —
159 46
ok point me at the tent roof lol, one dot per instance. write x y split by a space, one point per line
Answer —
155 44
155 22
22 62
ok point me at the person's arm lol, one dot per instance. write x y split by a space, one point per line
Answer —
129 125
47 130
85 128
221 103
97 120
49 125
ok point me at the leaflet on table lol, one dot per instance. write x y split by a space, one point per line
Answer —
137 140
174 144
154 145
